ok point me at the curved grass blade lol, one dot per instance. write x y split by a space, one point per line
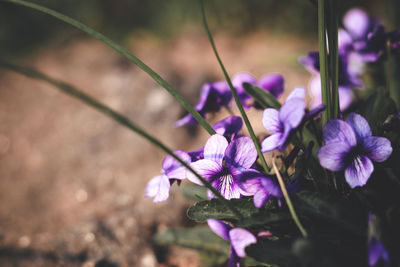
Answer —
234 93
124 53
70 90
264 98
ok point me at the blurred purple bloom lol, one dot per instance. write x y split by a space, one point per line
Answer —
212 97
223 163
272 83
259 185
240 238
350 146
229 126
158 187
377 253
280 123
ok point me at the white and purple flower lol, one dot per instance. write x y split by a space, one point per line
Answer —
281 123
350 146
240 238
223 163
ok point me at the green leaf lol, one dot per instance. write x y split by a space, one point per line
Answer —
264 98
273 252
194 192
252 217
331 209
198 238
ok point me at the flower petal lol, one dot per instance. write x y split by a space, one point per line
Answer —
206 168
377 251
228 126
250 181
273 83
240 239
173 168
360 126
220 228
240 153
234 260
158 187
338 130
270 120
378 148
359 171
272 142
227 186
332 156
215 148
292 112
260 198
357 23
298 93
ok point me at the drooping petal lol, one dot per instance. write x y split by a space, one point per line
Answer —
260 198
338 130
272 142
220 228
158 187
377 148
333 155
173 168
215 148
228 126
359 171
270 120
227 186
273 83
292 112
206 168
360 126
240 239
240 153
271 187
298 93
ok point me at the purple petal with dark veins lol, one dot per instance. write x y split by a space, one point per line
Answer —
208 169
273 83
240 239
360 126
228 126
359 171
240 153
270 120
215 148
220 228
338 130
158 187
332 156
378 149
225 183
249 181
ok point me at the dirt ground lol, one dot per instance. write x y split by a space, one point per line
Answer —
72 181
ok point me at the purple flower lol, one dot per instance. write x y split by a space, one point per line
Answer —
259 185
281 123
350 146
240 238
272 83
223 163
377 253
212 97
229 126
159 186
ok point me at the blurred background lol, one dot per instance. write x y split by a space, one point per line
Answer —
71 180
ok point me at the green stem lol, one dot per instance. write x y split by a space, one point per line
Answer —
124 53
333 57
288 201
70 90
388 68
233 90
323 60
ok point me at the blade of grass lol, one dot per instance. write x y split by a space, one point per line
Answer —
117 117
124 53
234 93
333 56
323 59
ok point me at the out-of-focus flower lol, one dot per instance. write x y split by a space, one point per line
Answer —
158 187
238 237
280 123
223 163
229 126
377 253
350 146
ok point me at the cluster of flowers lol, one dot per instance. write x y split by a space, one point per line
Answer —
363 40
228 160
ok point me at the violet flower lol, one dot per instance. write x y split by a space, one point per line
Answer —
212 97
272 83
223 163
281 123
158 187
240 238
229 126
350 146
377 253
259 185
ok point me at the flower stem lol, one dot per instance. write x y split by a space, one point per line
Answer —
121 119
157 78
234 93
288 201
332 32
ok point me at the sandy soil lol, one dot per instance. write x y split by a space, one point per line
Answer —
72 181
